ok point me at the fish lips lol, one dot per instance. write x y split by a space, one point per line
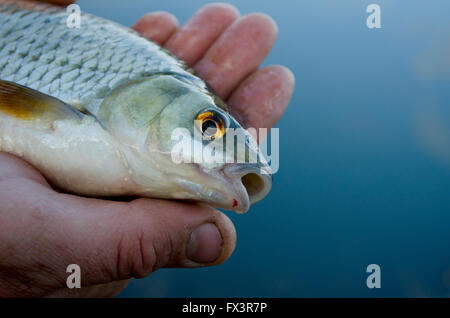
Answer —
234 187
250 182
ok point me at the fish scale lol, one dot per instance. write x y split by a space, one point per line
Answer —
75 64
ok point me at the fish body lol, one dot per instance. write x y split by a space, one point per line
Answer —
94 109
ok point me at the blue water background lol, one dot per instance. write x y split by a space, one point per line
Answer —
364 156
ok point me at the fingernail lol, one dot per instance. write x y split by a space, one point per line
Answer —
204 244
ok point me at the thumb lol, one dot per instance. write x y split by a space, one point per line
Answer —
113 241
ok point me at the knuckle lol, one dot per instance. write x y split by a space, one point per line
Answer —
142 253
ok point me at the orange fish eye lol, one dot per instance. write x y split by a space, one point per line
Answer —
211 124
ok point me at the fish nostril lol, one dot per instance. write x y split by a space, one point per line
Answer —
254 185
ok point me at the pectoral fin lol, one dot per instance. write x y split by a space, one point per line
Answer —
27 104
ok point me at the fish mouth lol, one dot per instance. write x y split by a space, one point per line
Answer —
250 182
233 187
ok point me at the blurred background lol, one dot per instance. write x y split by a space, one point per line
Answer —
364 156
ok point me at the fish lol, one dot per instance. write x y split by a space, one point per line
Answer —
94 108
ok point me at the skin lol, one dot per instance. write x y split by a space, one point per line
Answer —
42 231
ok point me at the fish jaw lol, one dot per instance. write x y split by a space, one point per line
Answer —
218 190
224 186
232 187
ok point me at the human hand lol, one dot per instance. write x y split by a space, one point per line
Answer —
43 231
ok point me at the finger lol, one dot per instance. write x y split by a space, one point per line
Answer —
157 26
262 98
115 241
194 38
237 53
59 2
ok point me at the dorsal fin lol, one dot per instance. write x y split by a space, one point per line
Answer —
27 104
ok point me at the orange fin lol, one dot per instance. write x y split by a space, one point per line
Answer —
28 104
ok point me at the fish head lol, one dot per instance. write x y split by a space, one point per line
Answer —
179 142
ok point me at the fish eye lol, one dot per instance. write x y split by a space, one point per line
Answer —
211 124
